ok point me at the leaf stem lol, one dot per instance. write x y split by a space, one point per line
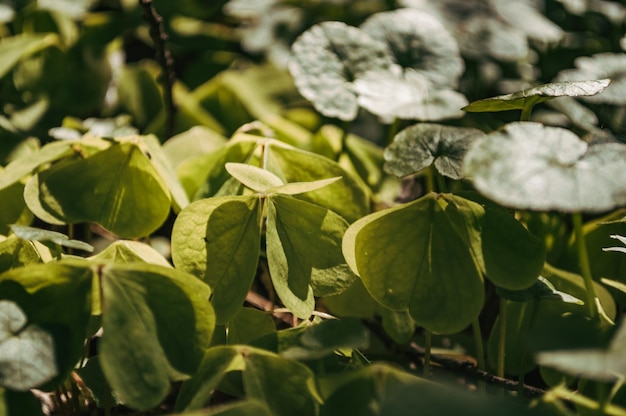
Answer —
478 339
502 339
583 261
427 347
393 130
526 111
441 181
533 317
345 131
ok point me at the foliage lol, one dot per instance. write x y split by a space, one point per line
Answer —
299 207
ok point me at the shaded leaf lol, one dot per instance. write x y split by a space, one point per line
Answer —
248 325
542 289
218 240
15 48
327 58
417 147
529 166
15 252
38 234
529 97
27 356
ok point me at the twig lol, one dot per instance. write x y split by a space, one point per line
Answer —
164 58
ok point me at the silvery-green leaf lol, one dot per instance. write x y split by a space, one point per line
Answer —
601 65
525 15
529 166
420 145
37 234
419 42
327 58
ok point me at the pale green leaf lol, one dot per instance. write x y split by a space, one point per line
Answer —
15 48
196 141
125 251
38 234
296 188
529 166
255 178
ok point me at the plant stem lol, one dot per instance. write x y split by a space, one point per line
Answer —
526 113
441 181
583 261
427 347
345 131
480 349
430 180
533 317
502 339
393 130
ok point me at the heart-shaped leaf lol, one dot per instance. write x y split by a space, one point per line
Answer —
304 252
527 98
157 322
283 385
441 295
218 240
27 357
327 58
529 166
117 188
417 147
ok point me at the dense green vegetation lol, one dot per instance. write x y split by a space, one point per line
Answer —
314 207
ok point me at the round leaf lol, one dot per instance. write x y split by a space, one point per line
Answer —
304 253
417 147
117 188
157 323
327 58
529 166
218 240
27 357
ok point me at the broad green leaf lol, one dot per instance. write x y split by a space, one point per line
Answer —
601 65
348 197
117 188
285 386
420 44
218 240
527 98
169 312
15 48
304 253
399 325
92 376
15 252
125 251
55 296
529 166
327 58
296 188
12 207
249 324
44 236
417 147
34 204
27 356
18 403
75 9
355 301
595 364
162 165
255 178
23 166
403 254
322 339
192 143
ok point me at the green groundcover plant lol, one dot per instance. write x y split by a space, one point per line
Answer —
312 207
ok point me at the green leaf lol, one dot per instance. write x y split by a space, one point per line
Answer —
27 357
117 188
249 324
157 323
327 58
542 289
417 147
595 364
399 325
198 140
348 197
322 339
75 9
23 166
43 236
125 251
527 98
218 240
529 166
283 385
255 178
403 257
15 252
296 188
15 48
12 207
304 253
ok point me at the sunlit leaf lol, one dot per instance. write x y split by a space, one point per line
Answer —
38 234
304 253
529 166
327 58
125 251
27 356
15 48
196 141
417 147
257 179
218 240
529 97
296 188
169 312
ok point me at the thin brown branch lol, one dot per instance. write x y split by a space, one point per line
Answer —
165 61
